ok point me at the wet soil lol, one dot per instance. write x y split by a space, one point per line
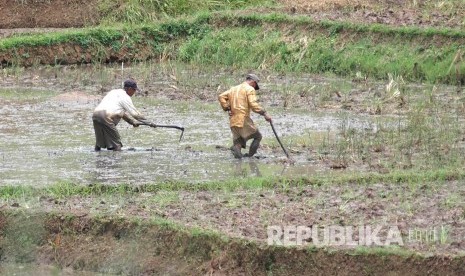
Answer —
134 246
434 209
48 14
48 135
47 138
114 234
394 13
58 145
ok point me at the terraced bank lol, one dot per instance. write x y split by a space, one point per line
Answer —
274 42
408 176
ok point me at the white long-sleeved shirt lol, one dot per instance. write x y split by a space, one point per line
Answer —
116 103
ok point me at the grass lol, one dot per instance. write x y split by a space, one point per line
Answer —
23 95
274 42
136 11
383 251
68 189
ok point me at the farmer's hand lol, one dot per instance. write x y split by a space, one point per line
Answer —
267 117
136 124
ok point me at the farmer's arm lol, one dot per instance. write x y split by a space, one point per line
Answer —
130 120
254 106
224 100
129 108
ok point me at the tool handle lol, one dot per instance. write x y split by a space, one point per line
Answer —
150 124
277 138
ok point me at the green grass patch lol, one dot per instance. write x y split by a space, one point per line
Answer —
137 11
68 189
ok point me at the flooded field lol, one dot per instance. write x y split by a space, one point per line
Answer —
46 140
331 127
47 135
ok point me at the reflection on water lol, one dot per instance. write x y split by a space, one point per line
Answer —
57 145
247 168
46 138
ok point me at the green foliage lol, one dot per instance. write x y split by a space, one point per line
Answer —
137 11
257 47
66 189
275 42
21 237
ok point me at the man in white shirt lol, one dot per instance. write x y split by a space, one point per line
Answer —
115 105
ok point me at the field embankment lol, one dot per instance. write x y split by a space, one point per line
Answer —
221 227
402 169
78 13
274 42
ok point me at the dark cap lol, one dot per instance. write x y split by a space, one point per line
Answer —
131 84
254 78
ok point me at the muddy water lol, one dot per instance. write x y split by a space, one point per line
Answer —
46 136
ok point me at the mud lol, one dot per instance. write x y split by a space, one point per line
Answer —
48 135
108 244
46 13
52 140
395 13
428 216
47 138
42 270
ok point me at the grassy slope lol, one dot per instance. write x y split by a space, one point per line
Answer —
279 43
159 245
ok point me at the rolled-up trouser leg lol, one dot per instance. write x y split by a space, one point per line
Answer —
257 137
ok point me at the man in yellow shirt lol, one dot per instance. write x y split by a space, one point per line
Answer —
239 101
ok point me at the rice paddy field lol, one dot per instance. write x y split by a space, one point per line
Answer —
366 96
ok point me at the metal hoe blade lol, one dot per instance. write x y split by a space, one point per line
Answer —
182 133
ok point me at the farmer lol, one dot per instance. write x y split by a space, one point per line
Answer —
239 101
115 105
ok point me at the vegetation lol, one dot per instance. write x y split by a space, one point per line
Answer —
274 42
67 189
138 11
398 166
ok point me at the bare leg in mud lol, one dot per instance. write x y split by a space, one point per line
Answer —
236 151
257 137
241 143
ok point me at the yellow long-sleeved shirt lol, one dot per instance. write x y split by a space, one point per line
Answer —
240 100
